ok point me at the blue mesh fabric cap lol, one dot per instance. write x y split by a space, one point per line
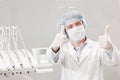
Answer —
69 17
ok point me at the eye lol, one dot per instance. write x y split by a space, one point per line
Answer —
69 27
78 23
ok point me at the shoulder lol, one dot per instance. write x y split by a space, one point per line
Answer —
92 43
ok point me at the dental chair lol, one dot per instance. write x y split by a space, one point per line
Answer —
20 63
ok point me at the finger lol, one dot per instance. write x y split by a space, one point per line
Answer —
62 29
102 38
107 30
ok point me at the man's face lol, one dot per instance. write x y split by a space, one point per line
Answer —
75 31
73 24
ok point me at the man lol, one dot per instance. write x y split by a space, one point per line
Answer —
80 57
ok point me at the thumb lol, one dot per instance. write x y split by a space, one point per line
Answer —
62 29
107 31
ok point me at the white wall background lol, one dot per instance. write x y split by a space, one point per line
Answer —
37 20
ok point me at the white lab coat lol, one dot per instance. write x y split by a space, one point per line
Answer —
87 66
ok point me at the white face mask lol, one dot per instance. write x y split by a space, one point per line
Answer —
77 33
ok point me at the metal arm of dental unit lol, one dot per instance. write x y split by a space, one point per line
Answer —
15 61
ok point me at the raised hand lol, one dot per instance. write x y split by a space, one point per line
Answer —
104 40
60 39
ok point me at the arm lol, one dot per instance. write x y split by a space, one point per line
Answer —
55 57
110 57
55 52
109 54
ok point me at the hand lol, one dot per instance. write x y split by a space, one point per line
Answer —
60 39
104 40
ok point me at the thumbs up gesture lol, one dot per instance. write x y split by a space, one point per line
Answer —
104 40
60 39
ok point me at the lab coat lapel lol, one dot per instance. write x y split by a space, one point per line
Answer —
85 52
72 52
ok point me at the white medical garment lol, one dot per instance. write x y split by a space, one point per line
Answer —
88 65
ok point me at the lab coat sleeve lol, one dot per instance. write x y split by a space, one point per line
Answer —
110 57
55 57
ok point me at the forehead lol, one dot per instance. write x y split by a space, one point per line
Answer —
74 22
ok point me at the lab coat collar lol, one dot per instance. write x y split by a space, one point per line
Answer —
84 54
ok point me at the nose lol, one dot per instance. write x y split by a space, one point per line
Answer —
76 26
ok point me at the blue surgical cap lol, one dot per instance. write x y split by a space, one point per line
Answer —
69 17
